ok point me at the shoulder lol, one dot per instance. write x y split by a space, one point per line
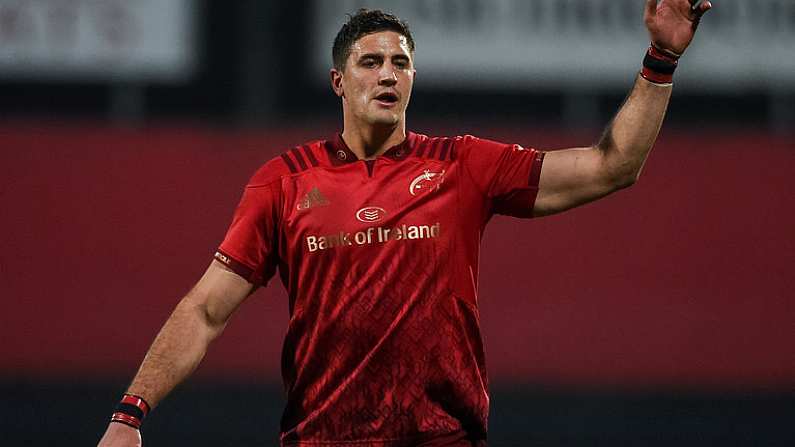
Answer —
291 161
483 154
450 147
458 141
442 148
470 144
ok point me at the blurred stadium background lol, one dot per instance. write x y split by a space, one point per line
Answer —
663 315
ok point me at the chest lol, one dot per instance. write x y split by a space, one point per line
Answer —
371 203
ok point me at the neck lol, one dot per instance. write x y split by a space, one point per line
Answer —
368 142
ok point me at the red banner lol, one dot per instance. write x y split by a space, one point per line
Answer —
683 280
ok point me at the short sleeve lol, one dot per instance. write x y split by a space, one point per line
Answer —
250 246
507 174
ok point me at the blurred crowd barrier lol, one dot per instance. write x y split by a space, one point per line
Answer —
560 43
262 63
473 43
55 40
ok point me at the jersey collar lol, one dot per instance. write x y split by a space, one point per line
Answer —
339 153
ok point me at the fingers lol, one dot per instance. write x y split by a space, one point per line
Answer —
701 7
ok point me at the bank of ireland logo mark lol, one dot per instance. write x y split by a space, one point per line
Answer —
426 182
370 214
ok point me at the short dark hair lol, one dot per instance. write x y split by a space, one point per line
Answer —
364 22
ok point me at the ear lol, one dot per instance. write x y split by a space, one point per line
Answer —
336 82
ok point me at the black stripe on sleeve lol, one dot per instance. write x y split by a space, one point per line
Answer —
239 268
535 170
308 152
445 148
434 146
297 154
289 163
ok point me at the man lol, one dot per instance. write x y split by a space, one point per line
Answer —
375 234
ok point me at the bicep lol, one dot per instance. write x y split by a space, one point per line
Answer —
571 177
219 292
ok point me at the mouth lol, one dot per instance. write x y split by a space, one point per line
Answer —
387 99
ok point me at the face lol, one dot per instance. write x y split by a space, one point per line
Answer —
376 83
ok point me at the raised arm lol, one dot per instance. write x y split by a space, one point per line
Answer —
572 177
182 342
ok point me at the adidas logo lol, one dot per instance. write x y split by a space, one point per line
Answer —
312 199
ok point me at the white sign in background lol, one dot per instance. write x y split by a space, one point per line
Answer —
526 44
133 40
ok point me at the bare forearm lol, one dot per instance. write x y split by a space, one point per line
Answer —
182 342
176 352
628 139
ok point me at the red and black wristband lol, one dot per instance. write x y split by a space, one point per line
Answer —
131 411
659 67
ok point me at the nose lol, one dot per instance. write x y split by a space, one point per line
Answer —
387 75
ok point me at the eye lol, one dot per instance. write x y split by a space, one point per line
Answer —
368 63
401 63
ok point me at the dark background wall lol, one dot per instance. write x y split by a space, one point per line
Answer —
662 315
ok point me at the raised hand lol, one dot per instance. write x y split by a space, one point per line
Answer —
672 23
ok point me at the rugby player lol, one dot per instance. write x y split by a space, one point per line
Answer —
375 235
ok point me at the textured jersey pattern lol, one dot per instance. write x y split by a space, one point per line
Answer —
379 260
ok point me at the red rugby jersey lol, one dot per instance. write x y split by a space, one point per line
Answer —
380 262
